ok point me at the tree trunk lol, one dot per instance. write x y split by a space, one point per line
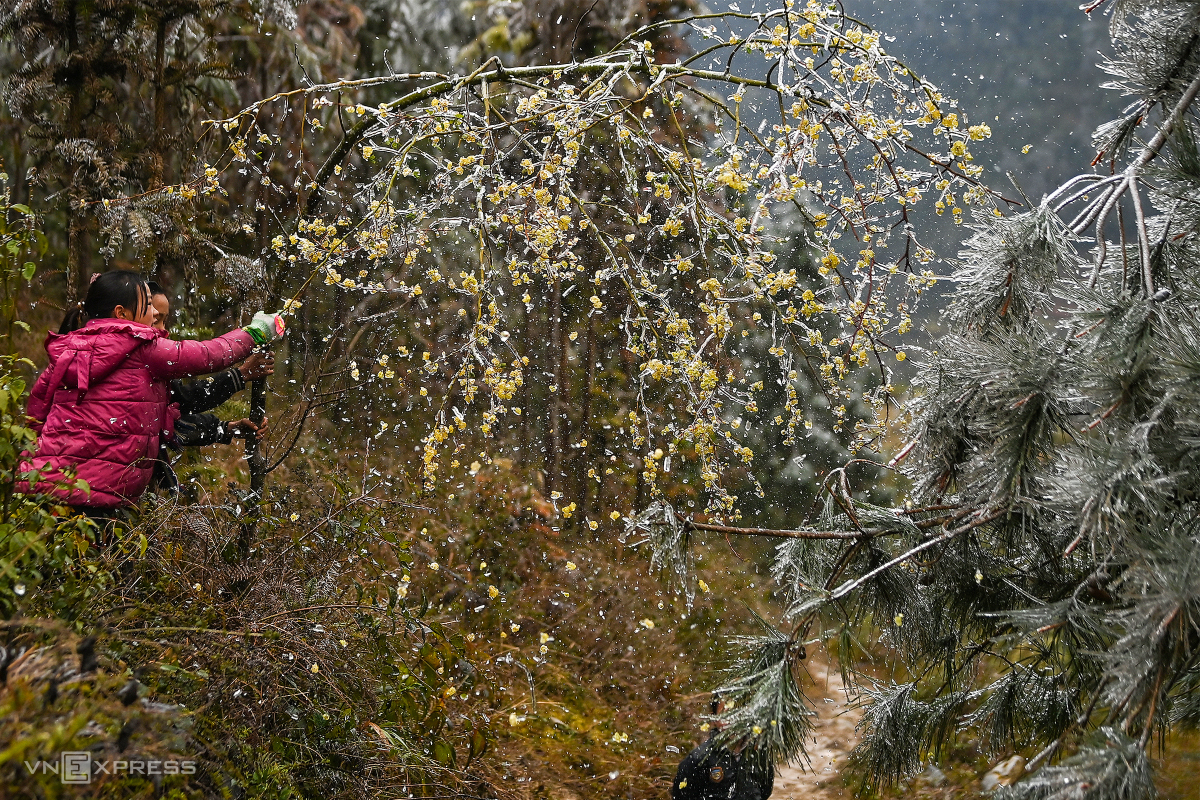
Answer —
583 460
526 440
157 167
258 467
78 264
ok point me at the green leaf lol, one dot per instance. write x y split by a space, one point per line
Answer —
408 706
28 270
443 753
24 209
22 325
479 744
143 543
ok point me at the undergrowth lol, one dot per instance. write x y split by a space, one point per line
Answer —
368 645
297 671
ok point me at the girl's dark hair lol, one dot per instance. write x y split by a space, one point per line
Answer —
120 287
156 289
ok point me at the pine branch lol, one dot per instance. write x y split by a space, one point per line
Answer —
1113 767
790 534
849 586
902 526
1107 200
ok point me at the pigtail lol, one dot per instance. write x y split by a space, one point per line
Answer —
75 319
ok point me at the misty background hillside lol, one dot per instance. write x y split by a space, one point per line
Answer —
1029 68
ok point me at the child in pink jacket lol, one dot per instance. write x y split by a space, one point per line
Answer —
101 405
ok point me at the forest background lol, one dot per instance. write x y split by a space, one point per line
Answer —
514 644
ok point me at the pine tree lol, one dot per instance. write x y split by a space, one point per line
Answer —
1042 585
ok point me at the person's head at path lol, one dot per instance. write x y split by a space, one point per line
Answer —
714 771
118 294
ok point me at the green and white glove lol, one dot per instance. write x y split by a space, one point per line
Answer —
265 328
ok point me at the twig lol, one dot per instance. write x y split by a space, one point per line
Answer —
313 608
190 630
1143 240
908 448
789 534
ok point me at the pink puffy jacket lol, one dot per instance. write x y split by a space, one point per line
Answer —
102 404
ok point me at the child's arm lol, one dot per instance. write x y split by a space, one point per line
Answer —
172 359
198 430
204 394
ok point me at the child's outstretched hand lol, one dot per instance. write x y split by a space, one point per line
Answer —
244 428
265 327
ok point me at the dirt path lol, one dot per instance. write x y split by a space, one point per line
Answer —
833 739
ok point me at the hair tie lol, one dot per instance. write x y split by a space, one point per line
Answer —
92 279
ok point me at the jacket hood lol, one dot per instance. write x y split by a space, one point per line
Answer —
91 353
